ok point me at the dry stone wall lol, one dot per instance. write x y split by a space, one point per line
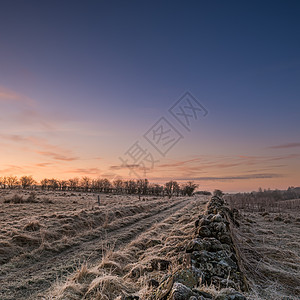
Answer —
214 270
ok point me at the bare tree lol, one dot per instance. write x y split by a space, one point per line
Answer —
53 184
130 186
158 189
218 193
171 187
12 181
142 186
63 184
85 183
118 185
3 182
45 183
26 181
189 188
73 183
106 185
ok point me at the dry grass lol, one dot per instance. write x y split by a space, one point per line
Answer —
270 253
59 224
128 270
30 232
15 199
5 251
108 287
264 202
25 240
33 225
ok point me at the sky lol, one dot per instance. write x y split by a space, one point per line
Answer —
184 90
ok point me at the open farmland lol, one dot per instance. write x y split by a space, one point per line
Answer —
269 242
64 245
44 241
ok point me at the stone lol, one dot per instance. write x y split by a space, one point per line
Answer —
186 277
215 245
228 262
202 294
180 292
217 218
212 252
198 245
204 231
225 238
221 227
201 256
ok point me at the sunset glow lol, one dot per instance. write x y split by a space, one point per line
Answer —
80 84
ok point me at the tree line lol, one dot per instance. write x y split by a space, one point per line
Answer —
101 185
265 200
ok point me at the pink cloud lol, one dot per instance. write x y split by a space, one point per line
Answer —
57 156
84 171
44 147
284 146
7 95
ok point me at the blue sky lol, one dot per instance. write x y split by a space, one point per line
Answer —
99 73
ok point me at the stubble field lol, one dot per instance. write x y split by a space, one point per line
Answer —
269 243
63 245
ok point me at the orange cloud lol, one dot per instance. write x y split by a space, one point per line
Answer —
225 168
12 169
45 148
43 164
33 117
25 112
57 156
133 166
85 171
7 95
180 163
225 178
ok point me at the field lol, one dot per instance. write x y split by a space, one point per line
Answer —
65 245
269 242
55 236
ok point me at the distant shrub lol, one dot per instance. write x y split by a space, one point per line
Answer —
31 198
15 199
267 200
47 200
218 193
206 193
